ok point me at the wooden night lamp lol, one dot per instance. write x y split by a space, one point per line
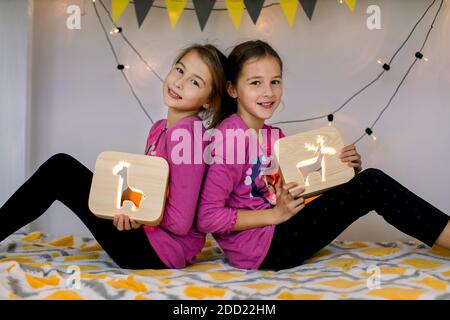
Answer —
132 184
311 159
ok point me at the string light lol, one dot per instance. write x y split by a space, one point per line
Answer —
370 133
119 65
147 65
419 55
379 75
407 72
386 67
116 31
330 119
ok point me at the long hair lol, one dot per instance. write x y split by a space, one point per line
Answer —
234 66
217 63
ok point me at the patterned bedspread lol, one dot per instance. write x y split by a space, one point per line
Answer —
37 266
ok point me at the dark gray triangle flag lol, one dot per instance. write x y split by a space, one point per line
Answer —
203 9
308 7
254 8
142 7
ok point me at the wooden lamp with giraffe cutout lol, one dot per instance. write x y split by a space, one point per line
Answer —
311 159
132 184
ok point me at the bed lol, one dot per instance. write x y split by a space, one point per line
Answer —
38 266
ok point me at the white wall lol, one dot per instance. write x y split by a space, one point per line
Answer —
82 106
15 71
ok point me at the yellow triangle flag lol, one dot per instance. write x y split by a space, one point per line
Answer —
235 10
351 4
118 7
289 8
175 9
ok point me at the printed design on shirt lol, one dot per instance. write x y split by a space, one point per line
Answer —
135 196
152 150
254 177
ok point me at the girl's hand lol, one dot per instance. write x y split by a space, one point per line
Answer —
288 202
123 222
350 156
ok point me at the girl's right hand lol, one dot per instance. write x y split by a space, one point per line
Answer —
288 202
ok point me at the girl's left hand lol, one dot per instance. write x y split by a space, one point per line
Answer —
123 222
350 156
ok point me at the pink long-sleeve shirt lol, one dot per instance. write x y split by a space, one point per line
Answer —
176 239
230 186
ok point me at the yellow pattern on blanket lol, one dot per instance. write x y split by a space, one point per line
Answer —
37 266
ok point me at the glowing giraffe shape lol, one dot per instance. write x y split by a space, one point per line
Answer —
143 178
135 196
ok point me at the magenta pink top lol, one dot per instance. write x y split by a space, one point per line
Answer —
176 240
231 186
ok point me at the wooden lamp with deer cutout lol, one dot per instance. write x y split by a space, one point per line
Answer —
132 184
311 159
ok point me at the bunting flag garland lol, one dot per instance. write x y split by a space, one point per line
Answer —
203 10
351 4
175 8
289 8
142 7
235 10
118 7
254 8
308 7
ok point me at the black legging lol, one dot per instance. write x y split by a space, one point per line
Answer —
65 179
324 218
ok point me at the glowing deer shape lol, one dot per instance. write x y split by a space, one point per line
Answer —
135 196
320 150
